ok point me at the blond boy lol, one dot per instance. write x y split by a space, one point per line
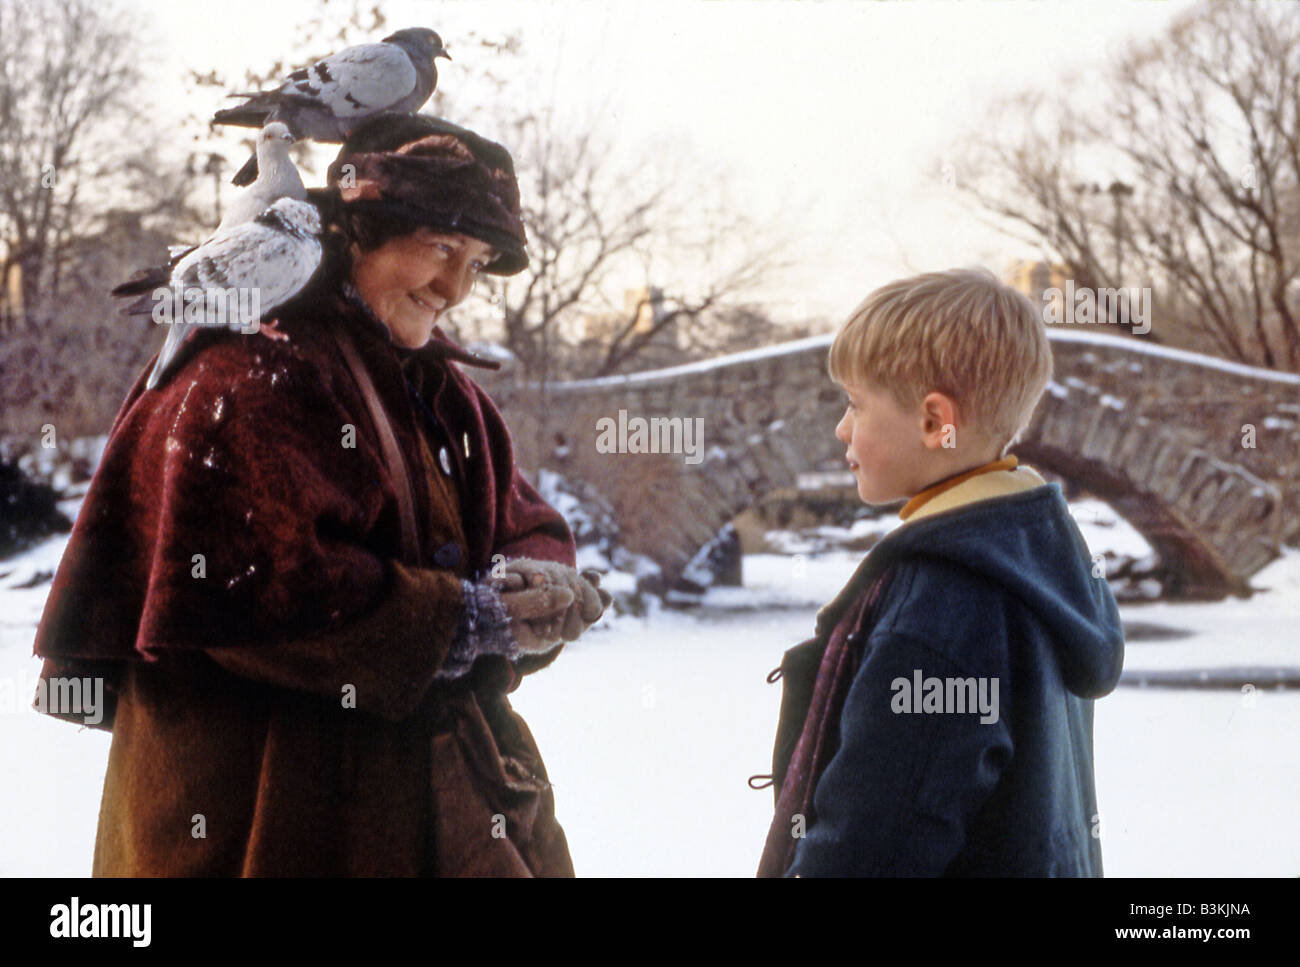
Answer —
940 721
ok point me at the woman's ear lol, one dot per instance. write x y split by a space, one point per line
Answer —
939 421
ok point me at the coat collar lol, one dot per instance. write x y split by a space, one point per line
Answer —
998 479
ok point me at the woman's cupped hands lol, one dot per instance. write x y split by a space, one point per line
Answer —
548 602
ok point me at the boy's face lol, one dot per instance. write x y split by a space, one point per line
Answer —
886 448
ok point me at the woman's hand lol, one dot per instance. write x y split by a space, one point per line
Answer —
576 601
536 612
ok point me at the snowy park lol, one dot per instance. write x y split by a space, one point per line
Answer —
651 727
333 363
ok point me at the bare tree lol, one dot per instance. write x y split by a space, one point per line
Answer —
85 195
1186 180
595 228
66 76
598 229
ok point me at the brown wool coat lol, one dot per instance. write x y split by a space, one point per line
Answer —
227 676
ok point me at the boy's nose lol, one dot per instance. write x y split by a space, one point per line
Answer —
841 428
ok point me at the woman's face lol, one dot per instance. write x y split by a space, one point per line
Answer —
411 280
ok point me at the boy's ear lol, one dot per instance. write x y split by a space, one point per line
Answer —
939 418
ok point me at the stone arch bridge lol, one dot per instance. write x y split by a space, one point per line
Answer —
1200 455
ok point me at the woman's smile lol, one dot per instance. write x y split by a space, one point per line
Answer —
409 281
422 304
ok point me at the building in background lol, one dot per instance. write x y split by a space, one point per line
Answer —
1033 278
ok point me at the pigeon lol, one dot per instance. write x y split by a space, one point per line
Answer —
236 277
277 178
327 100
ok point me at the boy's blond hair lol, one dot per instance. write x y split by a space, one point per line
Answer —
962 333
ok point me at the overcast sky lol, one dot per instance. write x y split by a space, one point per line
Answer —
828 118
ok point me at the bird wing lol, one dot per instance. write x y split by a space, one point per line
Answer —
355 82
251 256
285 264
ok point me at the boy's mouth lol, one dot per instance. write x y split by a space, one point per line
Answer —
853 464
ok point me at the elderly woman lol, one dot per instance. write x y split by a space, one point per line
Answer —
308 571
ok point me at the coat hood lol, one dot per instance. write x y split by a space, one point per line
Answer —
1028 543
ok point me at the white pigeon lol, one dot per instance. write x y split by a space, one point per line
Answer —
235 278
328 99
277 177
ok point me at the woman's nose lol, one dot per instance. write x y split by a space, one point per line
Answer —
454 281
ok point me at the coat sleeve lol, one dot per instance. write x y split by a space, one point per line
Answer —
385 660
273 535
898 794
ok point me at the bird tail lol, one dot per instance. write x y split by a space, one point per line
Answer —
148 281
171 347
253 113
247 174
143 285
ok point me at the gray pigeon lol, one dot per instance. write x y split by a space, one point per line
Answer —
327 100
277 178
236 278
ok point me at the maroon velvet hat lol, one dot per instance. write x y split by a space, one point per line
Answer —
446 176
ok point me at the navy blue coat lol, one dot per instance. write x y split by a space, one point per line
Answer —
1001 590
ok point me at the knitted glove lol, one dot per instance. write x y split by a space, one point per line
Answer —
589 600
483 629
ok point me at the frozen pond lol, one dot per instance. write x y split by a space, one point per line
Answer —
651 727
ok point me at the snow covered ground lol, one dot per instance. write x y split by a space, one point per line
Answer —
651 726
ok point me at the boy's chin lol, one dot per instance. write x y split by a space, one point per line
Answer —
876 498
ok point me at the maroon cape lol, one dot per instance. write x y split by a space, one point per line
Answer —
235 574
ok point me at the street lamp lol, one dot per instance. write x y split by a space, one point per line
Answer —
216 164
1118 191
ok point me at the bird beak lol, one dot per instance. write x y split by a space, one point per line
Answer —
442 53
